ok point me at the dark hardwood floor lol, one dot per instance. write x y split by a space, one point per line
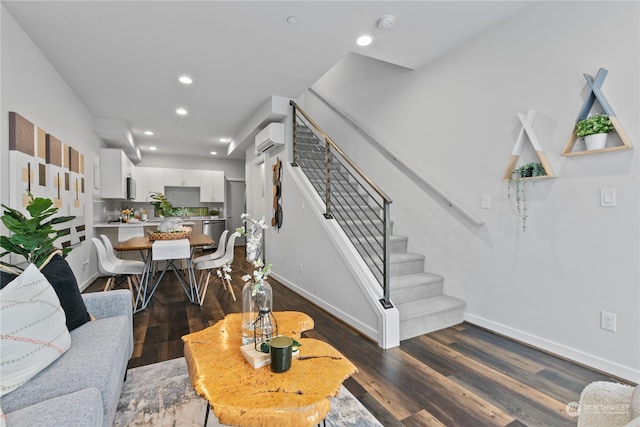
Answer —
460 376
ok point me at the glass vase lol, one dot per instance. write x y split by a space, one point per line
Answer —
255 297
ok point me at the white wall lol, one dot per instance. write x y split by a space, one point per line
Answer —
455 122
31 87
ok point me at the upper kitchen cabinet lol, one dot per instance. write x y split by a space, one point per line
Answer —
148 180
181 178
155 180
212 186
115 168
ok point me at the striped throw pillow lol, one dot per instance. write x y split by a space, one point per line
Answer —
33 331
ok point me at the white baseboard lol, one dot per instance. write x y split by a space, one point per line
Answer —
558 349
88 282
345 317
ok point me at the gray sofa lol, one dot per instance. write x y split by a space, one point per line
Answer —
82 387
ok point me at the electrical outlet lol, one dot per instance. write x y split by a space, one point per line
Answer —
608 321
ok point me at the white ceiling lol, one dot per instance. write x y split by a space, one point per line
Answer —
123 58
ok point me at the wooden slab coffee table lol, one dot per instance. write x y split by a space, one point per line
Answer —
243 396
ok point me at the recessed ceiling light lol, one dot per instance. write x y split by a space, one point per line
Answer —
148 132
213 153
152 148
181 111
185 80
293 20
225 140
364 41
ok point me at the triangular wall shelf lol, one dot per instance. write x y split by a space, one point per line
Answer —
527 132
596 94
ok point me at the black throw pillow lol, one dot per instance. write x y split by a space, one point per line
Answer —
6 278
59 274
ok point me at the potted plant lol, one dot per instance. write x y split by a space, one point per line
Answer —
518 184
594 130
163 207
33 238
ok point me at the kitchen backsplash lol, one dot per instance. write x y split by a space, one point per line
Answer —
183 196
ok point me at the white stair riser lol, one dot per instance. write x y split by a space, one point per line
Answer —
407 267
430 322
413 293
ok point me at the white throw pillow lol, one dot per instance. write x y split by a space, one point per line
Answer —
33 330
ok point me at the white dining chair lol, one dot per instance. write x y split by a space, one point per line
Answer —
219 253
125 232
112 255
108 269
207 266
172 251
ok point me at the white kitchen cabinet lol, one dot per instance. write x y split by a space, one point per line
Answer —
148 180
212 186
173 177
182 178
190 178
115 167
218 186
142 183
155 179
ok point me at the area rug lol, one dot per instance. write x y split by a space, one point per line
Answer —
161 395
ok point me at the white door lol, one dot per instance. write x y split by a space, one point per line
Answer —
236 204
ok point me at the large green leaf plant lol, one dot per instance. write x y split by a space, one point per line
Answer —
34 237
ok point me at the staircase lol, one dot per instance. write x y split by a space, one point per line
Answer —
418 295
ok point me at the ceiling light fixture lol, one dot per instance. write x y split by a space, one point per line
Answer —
148 132
386 22
181 111
213 153
225 140
185 80
364 41
293 20
152 148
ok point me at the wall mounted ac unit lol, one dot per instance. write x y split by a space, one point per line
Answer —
269 138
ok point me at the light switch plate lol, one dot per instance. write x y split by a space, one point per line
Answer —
486 201
607 197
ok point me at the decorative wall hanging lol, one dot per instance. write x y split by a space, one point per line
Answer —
42 164
276 221
517 177
586 126
527 132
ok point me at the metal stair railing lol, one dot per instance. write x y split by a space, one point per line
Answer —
359 206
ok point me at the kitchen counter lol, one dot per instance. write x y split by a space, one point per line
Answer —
151 223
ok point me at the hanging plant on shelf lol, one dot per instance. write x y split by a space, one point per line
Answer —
518 185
